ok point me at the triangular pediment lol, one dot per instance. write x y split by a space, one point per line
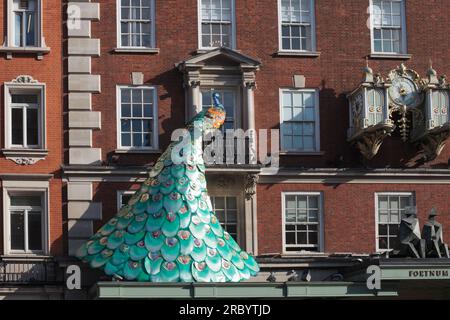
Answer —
221 57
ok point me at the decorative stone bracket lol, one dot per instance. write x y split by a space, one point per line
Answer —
250 185
25 157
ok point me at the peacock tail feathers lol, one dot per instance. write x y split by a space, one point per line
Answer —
168 231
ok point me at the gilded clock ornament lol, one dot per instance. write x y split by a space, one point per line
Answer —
405 92
416 108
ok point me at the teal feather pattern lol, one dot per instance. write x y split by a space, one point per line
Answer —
168 232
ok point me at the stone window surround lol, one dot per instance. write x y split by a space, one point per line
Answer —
8 44
25 184
20 155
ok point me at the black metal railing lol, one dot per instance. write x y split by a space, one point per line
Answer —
27 271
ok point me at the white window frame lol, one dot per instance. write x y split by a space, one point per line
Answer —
26 88
377 195
155 118
313 29
316 120
40 42
320 236
26 188
152 27
233 26
403 33
120 194
238 220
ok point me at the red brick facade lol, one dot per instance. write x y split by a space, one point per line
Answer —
48 71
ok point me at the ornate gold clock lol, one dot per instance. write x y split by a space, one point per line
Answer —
405 92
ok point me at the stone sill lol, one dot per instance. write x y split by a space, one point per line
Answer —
312 54
150 151
390 56
39 51
25 156
25 256
299 153
137 50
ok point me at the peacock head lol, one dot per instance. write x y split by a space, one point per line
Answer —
215 115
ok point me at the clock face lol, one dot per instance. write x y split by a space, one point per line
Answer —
404 92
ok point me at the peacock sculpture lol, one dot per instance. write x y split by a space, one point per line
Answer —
168 231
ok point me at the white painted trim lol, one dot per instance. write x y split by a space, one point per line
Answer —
120 47
155 118
321 236
404 40
10 87
199 26
316 120
45 193
313 30
377 194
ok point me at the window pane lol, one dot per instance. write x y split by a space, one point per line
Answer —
313 238
290 238
126 110
126 125
136 126
18 30
383 217
17 126
313 216
382 243
290 201
137 110
32 127
25 201
24 98
137 140
34 230
17 230
231 203
126 139
301 202
126 95
302 216
313 202
382 230
301 238
148 96
290 215
297 99
148 110
219 202
30 29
